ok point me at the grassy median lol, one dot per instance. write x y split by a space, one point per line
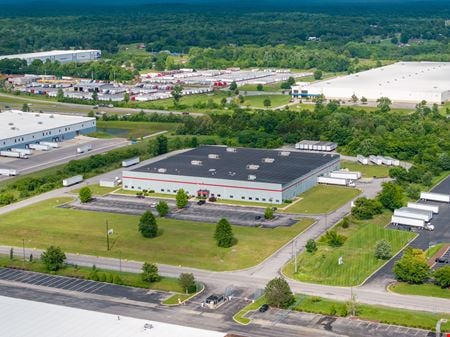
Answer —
184 243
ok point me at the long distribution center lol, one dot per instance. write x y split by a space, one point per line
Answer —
243 174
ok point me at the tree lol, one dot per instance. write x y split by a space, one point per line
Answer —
384 104
233 86
187 282
150 272
365 209
383 250
161 145
267 102
147 225
442 277
60 95
268 213
399 173
85 194
334 239
363 100
391 196
260 87
354 98
95 96
25 107
318 74
412 267
162 208
278 293
311 246
53 258
224 234
176 93
126 97
182 198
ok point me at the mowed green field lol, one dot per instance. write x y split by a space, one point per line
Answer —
426 289
182 243
127 129
97 189
258 101
367 171
323 199
357 253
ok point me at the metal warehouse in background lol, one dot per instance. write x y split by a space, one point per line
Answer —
22 129
245 174
62 56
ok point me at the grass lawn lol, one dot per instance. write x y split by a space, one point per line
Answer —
176 299
367 171
258 101
418 319
268 87
433 250
127 129
250 203
323 199
182 243
426 289
129 279
97 190
357 253
150 195
240 316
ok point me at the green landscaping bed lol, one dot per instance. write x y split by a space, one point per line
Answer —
184 243
323 199
426 289
367 171
240 316
357 253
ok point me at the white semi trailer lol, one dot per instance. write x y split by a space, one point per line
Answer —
130 162
50 144
12 154
335 181
345 175
435 196
39 147
24 151
363 160
84 148
416 223
414 213
376 160
426 207
8 172
72 180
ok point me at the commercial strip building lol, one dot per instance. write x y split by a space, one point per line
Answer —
267 176
51 320
19 129
62 56
409 82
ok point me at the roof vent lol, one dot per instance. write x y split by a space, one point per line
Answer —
231 149
51 116
162 170
251 177
212 170
196 162
284 153
39 122
252 167
268 160
213 156
10 123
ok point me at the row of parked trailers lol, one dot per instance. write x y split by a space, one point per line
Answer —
314 145
378 160
419 215
340 178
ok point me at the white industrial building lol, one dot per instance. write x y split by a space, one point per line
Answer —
19 129
62 56
401 82
244 174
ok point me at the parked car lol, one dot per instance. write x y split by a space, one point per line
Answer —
264 308
140 196
441 260
153 204
201 202
258 217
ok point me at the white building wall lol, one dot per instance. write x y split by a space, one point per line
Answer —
221 188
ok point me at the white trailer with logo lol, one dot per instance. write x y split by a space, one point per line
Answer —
435 196
426 207
72 180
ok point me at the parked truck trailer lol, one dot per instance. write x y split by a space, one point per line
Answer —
130 162
84 148
335 181
50 144
39 147
414 213
426 207
435 196
8 172
363 160
410 222
24 151
72 180
345 175
12 154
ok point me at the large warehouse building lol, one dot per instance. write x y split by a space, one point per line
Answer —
62 56
269 176
401 82
19 129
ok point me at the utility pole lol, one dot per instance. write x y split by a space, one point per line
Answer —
295 257
120 261
107 236
23 249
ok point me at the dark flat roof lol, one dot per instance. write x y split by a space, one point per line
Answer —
234 165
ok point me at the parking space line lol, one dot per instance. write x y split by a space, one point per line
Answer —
96 288
63 283
23 278
12 275
53 280
38 279
78 285
4 272
89 285
72 285
45 279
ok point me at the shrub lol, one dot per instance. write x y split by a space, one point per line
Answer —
278 293
345 222
268 213
53 258
224 234
442 277
366 208
150 272
93 275
333 310
383 250
147 225
162 208
343 311
333 239
109 278
101 277
311 246
412 267
187 282
85 194
182 198
117 279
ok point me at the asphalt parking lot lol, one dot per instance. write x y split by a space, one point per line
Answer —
80 285
446 256
67 151
243 216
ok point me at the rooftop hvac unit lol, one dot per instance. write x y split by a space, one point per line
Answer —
213 156
285 153
268 160
231 149
251 177
51 116
252 167
196 162
10 123
162 170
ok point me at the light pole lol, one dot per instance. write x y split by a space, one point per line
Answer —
23 249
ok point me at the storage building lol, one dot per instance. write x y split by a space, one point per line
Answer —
61 56
243 174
